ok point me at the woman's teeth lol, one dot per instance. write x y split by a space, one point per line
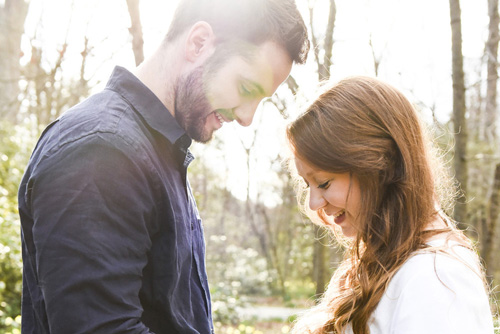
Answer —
338 214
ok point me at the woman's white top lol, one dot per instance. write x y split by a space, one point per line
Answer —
435 293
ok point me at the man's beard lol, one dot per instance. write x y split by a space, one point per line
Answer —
192 106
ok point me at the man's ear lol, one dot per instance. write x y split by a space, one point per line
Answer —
200 41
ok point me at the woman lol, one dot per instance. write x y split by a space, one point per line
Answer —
370 173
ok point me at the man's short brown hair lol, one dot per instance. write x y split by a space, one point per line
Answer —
254 21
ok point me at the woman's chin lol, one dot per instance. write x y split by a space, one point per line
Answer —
348 231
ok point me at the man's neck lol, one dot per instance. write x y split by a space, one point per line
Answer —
159 73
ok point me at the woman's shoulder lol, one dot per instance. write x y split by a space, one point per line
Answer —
444 285
442 261
445 273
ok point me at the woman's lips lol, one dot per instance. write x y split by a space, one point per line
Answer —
339 218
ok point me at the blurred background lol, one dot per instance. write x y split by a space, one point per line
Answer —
265 261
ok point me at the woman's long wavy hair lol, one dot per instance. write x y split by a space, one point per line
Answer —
369 129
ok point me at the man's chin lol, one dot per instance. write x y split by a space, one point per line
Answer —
201 137
203 140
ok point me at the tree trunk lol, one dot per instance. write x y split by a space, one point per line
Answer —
12 17
136 31
491 226
319 249
325 63
324 69
319 262
490 117
459 123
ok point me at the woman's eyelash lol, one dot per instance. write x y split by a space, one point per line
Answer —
324 185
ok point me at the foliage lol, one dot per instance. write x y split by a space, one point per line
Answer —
271 327
236 273
244 270
15 145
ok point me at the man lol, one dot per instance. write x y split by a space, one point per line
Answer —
112 239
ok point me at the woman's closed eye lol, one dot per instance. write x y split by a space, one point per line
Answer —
324 185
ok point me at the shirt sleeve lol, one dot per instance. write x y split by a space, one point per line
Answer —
91 204
442 296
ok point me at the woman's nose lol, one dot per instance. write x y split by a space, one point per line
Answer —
316 200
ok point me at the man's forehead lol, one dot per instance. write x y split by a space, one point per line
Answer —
269 65
279 62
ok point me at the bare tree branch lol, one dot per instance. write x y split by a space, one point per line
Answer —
136 31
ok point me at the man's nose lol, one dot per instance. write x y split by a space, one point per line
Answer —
245 113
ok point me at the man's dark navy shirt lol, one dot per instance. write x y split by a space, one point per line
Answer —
112 239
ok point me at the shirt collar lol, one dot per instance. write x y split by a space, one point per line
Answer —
147 104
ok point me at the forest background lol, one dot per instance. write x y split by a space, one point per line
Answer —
265 260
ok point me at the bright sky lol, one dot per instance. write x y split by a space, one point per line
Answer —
412 39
